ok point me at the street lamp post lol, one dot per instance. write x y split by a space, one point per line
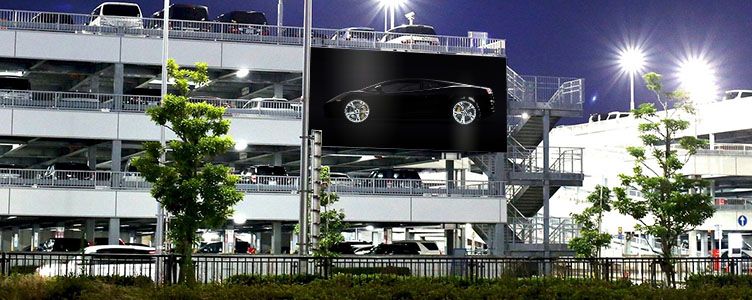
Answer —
159 232
631 61
305 134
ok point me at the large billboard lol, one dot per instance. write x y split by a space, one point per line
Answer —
401 100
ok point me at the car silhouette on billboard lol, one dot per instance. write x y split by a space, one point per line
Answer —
413 99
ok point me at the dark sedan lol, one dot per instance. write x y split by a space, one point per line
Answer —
413 99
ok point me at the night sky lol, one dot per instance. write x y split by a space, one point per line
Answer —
559 38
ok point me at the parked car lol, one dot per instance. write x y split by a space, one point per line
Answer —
14 90
737 94
349 247
413 99
393 178
117 14
241 247
68 171
411 34
269 175
196 15
273 107
355 34
122 260
243 22
407 248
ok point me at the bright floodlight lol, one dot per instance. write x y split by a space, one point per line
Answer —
631 59
390 3
697 77
241 145
242 73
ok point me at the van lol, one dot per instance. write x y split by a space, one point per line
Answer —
117 14
242 22
197 15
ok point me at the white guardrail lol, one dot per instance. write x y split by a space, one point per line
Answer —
253 184
215 31
139 103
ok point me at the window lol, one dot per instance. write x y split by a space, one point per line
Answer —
189 13
731 95
121 10
426 30
432 85
746 94
400 87
243 17
431 246
96 11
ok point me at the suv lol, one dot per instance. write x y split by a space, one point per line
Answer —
117 14
411 34
199 14
395 178
262 175
241 22
63 245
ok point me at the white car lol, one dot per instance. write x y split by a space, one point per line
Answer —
273 107
737 94
117 14
355 34
105 260
411 35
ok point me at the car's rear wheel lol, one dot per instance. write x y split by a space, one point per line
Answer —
357 111
465 111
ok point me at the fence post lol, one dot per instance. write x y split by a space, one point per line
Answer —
2 264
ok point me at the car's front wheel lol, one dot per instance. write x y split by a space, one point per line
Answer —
465 111
357 111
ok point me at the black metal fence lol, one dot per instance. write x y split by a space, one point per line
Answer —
217 268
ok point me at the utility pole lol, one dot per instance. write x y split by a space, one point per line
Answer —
305 135
280 14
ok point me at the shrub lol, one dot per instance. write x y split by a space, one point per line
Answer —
23 270
399 271
703 280
250 280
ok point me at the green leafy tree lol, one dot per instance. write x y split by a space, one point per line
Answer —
591 239
197 193
332 220
672 203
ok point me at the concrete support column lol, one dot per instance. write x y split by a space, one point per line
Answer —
279 90
692 241
712 141
450 236
91 155
498 247
117 156
34 237
450 175
463 236
229 240
132 237
409 235
113 234
16 244
94 84
703 243
277 159
276 237
90 230
117 86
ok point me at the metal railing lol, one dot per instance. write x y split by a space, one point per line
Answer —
254 184
163 269
233 32
561 160
722 203
530 230
139 103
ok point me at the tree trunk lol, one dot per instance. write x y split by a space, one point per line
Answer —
187 274
667 266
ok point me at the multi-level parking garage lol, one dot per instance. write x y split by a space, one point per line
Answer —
727 163
90 85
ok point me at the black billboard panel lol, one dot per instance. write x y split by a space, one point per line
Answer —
401 100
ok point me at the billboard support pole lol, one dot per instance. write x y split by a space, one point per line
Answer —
316 188
160 230
546 192
305 135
